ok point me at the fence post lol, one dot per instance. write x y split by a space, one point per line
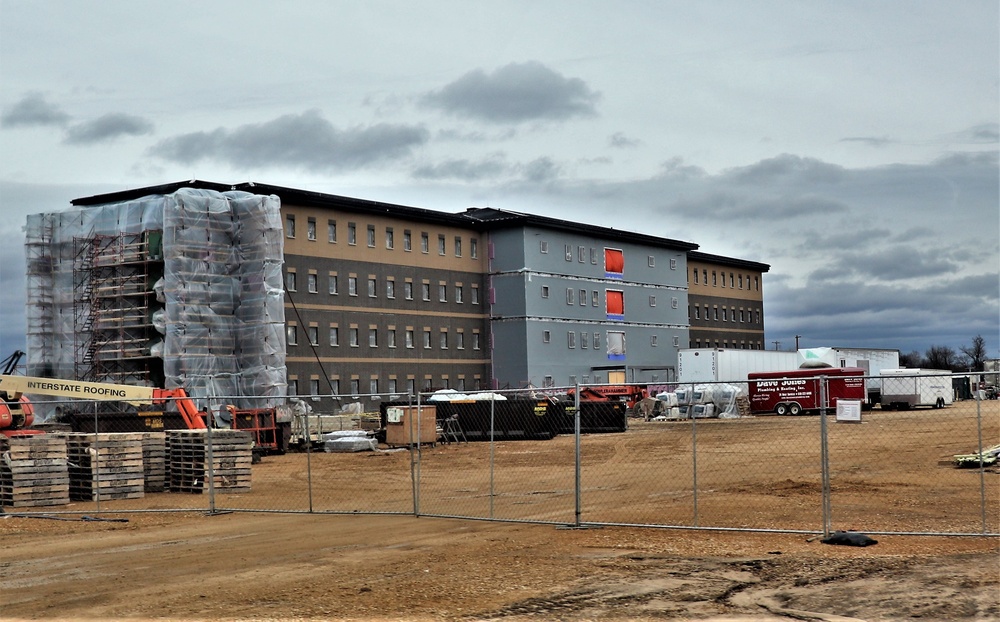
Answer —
96 459
492 450
414 461
309 481
694 455
824 456
210 458
982 470
576 435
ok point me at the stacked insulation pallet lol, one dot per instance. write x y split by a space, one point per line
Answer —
105 466
190 466
154 461
33 471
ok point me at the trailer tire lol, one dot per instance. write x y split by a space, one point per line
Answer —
781 409
794 409
939 403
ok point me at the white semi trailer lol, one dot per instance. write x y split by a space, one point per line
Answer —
721 365
910 388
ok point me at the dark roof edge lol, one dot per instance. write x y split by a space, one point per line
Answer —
728 261
138 193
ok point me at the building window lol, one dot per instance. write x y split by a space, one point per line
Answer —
545 291
389 239
568 251
371 236
653 340
543 247
704 277
425 289
333 284
715 280
673 264
331 231
741 281
674 302
372 286
355 386
352 286
756 284
314 335
293 386
390 288
458 246
475 294
292 335
373 386
546 336
408 338
474 248
442 292
372 337
444 340
597 341
390 338
290 281
677 340
353 333
335 386
427 338
475 340
725 315
652 301
569 295
352 233
716 313
408 290
571 339
314 388
584 339
697 312
651 261
290 226
424 242
616 345
583 298
459 294
313 282
407 240
615 304
732 280
392 385
581 254
311 229
593 256
695 275
614 263
334 336
595 298
440 244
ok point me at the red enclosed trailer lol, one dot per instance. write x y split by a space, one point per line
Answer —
797 391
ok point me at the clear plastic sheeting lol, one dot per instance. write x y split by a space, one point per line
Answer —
218 306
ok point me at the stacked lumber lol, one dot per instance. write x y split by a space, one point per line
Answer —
197 455
105 466
154 461
743 405
33 471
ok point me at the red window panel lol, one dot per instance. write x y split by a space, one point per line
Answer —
614 261
615 304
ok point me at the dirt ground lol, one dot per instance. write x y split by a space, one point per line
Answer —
195 565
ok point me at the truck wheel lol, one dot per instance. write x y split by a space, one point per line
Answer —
939 403
794 409
781 409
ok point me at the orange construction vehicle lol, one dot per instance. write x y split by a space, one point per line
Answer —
630 394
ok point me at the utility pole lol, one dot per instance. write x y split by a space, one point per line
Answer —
797 337
776 344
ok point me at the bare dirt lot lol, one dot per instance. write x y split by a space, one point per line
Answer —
194 565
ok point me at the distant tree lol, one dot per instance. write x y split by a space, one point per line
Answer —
940 357
975 353
911 359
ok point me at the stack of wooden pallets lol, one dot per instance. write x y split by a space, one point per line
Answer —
154 461
190 465
105 466
33 471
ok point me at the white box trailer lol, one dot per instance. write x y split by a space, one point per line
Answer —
722 365
909 388
872 360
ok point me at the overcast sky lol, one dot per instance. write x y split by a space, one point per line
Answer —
851 145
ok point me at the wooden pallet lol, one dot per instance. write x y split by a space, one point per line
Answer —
105 466
196 455
33 471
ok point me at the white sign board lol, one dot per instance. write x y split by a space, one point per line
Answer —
394 415
849 411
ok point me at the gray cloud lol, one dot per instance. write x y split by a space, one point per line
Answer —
871 141
892 264
466 170
786 166
619 140
305 140
515 93
33 110
541 170
985 133
107 128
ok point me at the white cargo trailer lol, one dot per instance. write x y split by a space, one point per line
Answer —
721 365
909 388
872 360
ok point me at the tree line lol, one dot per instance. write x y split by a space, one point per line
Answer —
968 358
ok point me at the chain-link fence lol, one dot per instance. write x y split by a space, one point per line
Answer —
705 456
